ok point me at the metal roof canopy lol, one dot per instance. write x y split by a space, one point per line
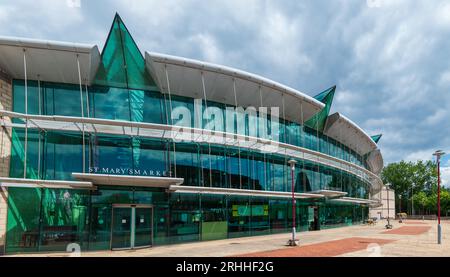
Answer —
51 61
346 131
151 130
330 193
355 200
185 79
244 192
375 161
35 183
129 180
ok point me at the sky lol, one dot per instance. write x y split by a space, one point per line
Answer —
388 58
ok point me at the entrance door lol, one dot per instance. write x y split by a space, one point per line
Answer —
143 227
313 218
131 226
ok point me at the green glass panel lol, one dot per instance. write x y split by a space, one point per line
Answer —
137 75
188 164
61 99
143 227
260 223
64 219
19 98
100 229
137 105
153 108
278 210
111 71
161 223
22 231
323 96
185 217
121 228
62 146
122 63
317 122
46 219
150 157
214 221
214 230
113 196
112 155
376 138
110 103
239 221
18 153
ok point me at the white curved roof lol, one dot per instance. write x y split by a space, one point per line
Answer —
185 79
55 61
52 61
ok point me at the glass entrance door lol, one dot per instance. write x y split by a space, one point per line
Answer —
143 227
131 226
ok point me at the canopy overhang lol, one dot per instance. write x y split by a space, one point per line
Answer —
54 184
51 61
128 180
330 193
242 192
355 200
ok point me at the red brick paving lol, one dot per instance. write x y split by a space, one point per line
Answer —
408 230
323 249
414 222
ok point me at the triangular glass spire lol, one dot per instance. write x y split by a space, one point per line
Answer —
122 64
318 120
376 138
321 96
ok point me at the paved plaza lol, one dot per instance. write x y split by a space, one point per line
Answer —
407 239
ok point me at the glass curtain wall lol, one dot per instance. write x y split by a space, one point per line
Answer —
152 107
50 219
199 165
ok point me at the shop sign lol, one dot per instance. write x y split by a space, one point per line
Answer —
127 171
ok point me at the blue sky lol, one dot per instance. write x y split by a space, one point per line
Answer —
388 58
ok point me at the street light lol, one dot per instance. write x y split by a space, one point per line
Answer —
388 225
438 155
292 241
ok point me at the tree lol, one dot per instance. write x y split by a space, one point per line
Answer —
445 202
398 175
421 200
408 179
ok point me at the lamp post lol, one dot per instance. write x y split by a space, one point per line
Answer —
438 155
388 225
292 241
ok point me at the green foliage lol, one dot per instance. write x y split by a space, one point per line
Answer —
415 184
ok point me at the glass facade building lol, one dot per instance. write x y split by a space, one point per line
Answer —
173 190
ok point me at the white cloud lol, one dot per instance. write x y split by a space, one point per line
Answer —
442 16
445 78
437 116
445 176
209 48
420 155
